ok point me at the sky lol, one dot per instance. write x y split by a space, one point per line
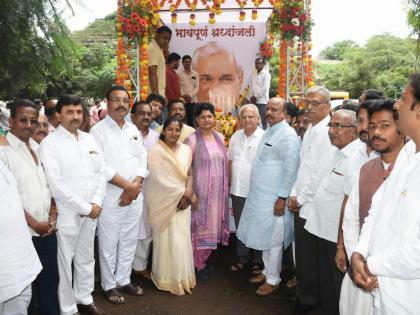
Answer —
334 20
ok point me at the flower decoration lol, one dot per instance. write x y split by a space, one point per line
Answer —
173 17
242 16
211 18
290 20
254 14
192 19
266 48
226 124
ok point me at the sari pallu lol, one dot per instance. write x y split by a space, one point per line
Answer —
173 267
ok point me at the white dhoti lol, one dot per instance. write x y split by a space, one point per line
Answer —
272 258
17 305
117 235
354 300
144 241
76 248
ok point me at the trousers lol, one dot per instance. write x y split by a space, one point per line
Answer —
272 258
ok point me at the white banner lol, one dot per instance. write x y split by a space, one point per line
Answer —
223 55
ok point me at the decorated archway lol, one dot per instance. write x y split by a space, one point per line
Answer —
288 27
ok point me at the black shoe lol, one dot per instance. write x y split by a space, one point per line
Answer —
302 308
203 274
290 298
210 268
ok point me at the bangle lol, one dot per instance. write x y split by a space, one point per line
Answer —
340 246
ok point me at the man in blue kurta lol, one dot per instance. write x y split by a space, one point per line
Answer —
264 224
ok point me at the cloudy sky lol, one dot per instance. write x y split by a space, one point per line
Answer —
335 20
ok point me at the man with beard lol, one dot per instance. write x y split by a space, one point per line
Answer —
141 116
364 153
75 170
126 167
386 139
386 257
177 107
301 123
21 156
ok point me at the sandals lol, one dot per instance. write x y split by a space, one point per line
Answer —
131 289
237 267
256 269
114 296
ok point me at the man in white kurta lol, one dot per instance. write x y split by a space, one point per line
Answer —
75 171
315 156
141 115
126 166
323 221
19 263
265 222
386 258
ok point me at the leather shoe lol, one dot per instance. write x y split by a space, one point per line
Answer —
257 279
90 309
143 273
266 289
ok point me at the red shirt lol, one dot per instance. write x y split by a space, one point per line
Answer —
172 89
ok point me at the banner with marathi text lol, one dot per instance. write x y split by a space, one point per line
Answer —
223 55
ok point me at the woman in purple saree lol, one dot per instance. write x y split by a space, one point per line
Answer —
209 223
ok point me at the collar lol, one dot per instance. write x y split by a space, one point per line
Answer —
66 133
112 123
256 132
277 126
348 150
15 142
321 125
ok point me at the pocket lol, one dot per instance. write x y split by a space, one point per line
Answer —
134 146
266 153
94 162
334 183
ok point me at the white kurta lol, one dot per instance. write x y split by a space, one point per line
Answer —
315 156
390 237
323 221
19 263
126 156
75 171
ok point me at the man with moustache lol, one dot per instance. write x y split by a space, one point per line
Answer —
75 170
40 131
315 157
265 223
50 108
241 153
259 88
141 116
386 139
386 257
177 107
188 81
364 153
157 72
323 220
301 123
172 89
21 156
126 167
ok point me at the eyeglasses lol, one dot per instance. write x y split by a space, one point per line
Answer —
313 103
339 127
25 120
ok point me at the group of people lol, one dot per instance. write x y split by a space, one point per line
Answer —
337 187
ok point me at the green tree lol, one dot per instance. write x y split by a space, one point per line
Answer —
35 47
337 50
384 63
413 19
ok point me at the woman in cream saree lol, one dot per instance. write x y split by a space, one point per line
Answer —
169 195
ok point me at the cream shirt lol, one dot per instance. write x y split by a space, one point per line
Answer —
124 154
315 156
32 182
260 86
323 221
188 82
75 170
19 262
242 151
156 58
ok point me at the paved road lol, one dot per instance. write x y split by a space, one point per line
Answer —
225 293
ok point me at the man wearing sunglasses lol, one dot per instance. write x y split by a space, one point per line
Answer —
21 156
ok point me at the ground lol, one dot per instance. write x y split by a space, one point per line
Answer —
225 293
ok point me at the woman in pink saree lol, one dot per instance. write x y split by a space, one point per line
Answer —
209 223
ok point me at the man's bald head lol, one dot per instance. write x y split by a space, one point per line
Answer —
275 111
